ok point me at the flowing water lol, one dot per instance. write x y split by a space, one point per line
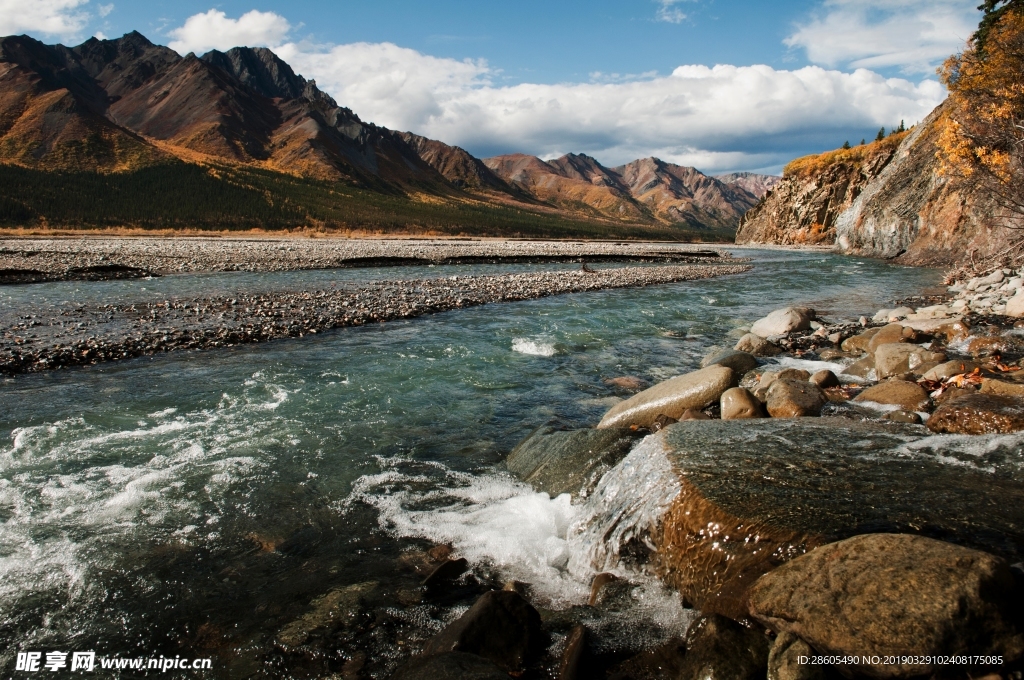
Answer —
199 504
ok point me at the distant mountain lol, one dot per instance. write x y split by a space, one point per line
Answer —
755 184
227 119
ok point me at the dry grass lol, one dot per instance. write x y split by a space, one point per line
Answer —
815 164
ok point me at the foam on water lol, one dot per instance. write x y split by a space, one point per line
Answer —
811 367
539 348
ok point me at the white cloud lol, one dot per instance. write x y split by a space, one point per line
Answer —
104 10
214 30
912 35
668 12
717 118
63 18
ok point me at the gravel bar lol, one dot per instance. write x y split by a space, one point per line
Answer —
89 335
31 260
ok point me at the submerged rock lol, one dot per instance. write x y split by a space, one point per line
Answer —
718 648
887 594
978 413
728 501
783 321
671 398
557 461
501 627
334 609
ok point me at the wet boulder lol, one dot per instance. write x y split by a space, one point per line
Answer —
335 609
737 403
501 626
889 594
756 345
1005 388
909 396
825 379
664 661
893 333
977 413
558 461
741 362
785 656
783 321
671 398
730 501
862 368
449 666
858 344
718 648
798 374
950 368
902 358
795 399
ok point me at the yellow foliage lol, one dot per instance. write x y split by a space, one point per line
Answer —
815 164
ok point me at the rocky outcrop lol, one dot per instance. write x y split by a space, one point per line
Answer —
885 199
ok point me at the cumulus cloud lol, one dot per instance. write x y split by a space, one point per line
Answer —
215 30
716 118
63 18
911 35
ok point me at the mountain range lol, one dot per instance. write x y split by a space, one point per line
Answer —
117 115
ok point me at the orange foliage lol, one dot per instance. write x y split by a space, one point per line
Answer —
815 164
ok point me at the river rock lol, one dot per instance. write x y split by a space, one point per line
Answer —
794 399
692 414
740 362
738 403
1002 387
951 368
894 332
449 666
798 374
717 647
662 662
574 655
1015 306
904 417
886 594
756 345
784 660
572 462
862 368
331 610
729 501
859 343
694 390
902 358
783 321
501 627
978 413
909 396
825 379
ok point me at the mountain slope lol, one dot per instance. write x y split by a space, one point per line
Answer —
753 183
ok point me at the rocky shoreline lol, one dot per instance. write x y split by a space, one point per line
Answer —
33 260
812 519
88 335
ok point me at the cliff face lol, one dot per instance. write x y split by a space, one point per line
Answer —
887 200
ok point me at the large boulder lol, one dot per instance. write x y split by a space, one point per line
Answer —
901 358
795 399
978 413
756 345
671 398
886 594
500 626
557 461
741 362
909 396
783 321
723 502
720 648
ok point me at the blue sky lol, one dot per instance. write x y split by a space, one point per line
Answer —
722 85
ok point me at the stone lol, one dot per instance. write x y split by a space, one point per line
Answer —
956 331
671 398
950 368
728 501
447 571
738 403
693 414
794 399
1015 306
627 382
862 368
573 657
599 582
909 396
894 332
987 346
978 413
901 358
932 312
768 377
756 345
1001 387
663 421
331 610
783 321
717 647
664 661
859 343
904 417
501 626
995 277
740 362
954 392
784 660
884 594
825 379
831 354
572 462
449 666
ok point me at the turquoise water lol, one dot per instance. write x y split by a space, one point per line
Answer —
195 504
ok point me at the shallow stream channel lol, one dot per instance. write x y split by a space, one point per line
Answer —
276 507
